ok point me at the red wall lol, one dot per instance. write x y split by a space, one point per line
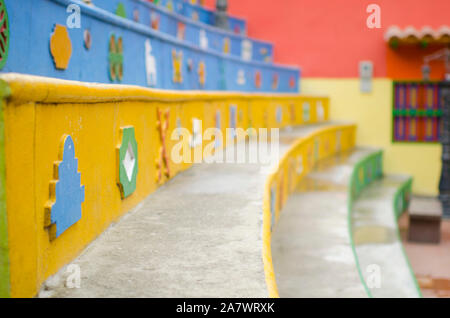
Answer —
327 38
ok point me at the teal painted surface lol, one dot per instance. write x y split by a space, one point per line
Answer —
372 169
4 250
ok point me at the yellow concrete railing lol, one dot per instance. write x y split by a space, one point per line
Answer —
294 164
39 113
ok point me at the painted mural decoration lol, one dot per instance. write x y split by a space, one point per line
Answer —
181 31
292 82
241 78
258 79
154 20
275 80
60 47
87 39
226 45
66 192
177 62
127 161
120 11
115 58
203 40
247 50
162 161
150 65
4 34
201 73
136 15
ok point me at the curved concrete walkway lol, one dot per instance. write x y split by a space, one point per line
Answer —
199 235
377 241
311 245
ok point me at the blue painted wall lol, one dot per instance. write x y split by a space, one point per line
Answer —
169 21
32 22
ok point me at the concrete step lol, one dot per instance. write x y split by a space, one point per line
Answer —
199 235
378 245
311 244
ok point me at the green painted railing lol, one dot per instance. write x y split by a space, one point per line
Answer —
366 170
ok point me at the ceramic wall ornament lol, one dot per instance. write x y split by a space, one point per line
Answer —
201 74
136 15
247 50
190 64
115 58
169 5
275 80
150 65
120 11
127 161
241 78
181 31
306 112
226 45
162 162
203 40
87 39
258 79
66 192
195 16
292 82
154 20
60 47
279 114
177 63
4 34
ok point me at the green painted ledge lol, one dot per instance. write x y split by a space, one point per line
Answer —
4 250
370 169
400 202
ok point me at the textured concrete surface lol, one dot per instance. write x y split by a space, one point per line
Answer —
311 247
199 235
377 241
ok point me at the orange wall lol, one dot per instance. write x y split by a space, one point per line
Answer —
328 38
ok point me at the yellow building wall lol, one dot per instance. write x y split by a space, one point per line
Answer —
372 113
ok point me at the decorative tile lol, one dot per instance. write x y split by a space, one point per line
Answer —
115 58
150 65
60 47
177 62
201 73
127 161
66 192
162 162
4 34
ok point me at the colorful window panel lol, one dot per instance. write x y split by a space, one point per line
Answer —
417 112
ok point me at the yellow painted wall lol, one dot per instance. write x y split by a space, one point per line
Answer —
41 110
372 112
